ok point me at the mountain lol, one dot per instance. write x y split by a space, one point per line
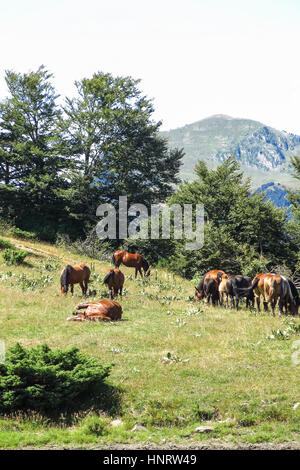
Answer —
262 151
277 194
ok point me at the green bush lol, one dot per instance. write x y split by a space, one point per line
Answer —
4 244
49 381
23 234
11 256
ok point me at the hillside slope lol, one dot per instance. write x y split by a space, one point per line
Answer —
262 151
177 364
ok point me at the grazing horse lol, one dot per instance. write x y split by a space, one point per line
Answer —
230 287
215 274
102 310
257 287
71 275
273 287
132 261
208 290
288 306
115 280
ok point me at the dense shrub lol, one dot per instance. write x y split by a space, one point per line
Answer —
14 256
48 380
23 234
4 244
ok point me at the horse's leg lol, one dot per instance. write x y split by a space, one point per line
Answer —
258 304
136 271
266 309
273 304
72 289
237 302
280 305
82 287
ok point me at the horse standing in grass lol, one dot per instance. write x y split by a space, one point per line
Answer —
273 287
95 311
71 275
216 274
132 261
209 291
230 287
115 280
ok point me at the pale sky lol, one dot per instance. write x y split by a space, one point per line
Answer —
195 58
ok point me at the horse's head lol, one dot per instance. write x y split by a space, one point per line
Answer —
199 294
64 289
146 268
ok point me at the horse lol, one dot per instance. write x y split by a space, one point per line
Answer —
71 275
132 261
273 287
216 275
288 307
115 280
102 310
277 287
211 291
230 287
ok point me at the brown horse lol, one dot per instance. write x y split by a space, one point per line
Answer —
277 287
216 274
71 275
132 261
210 291
273 287
102 310
115 280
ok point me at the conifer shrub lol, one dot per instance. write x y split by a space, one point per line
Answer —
49 381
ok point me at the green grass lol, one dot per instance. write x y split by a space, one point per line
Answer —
178 364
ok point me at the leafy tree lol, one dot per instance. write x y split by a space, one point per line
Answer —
31 165
115 146
235 220
294 198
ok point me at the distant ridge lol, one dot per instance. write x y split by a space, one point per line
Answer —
262 151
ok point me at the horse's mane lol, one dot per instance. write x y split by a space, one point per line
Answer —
108 275
114 261
65 276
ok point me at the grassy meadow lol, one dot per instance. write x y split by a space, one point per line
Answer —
177 364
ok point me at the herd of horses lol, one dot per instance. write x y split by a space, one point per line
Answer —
216 287
114 279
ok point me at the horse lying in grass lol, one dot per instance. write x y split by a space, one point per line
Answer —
71 275
115 280
98 311
132 261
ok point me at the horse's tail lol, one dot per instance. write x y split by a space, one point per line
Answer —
65 276
145 266
243 292
114 260
108 275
